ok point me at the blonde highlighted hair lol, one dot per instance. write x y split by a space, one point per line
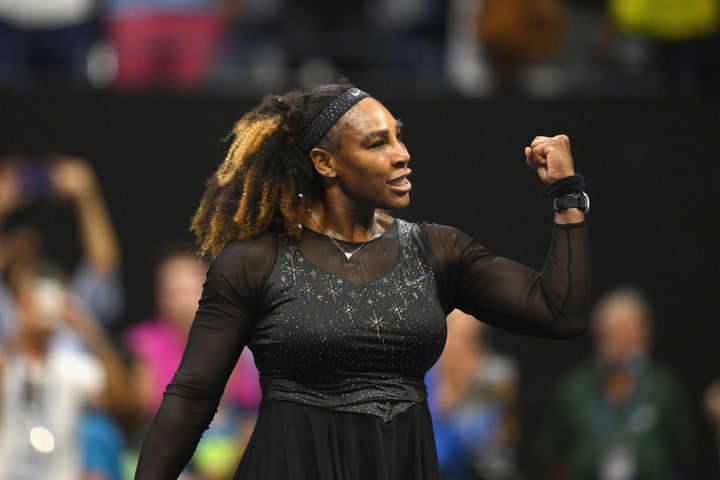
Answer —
265 180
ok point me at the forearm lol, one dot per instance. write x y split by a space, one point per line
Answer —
173 436
568 216
191 398
96 231
565 278
551 303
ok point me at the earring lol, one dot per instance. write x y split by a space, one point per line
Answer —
331 175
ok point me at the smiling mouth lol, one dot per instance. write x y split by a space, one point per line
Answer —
399 182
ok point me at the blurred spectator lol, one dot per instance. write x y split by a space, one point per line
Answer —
678 39
159 342
405 42
25 181
494 46
254 54
166 43
622 415
390 44
46 387
94 292
586 64
323 38
466 68
45 41
473 400
514 33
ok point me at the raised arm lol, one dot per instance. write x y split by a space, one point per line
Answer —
551 302
74 179
97 280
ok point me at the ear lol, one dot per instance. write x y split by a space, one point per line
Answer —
323 161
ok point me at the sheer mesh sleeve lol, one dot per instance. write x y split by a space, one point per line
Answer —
507 295
226 313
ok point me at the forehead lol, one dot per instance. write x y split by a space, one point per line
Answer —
622 317
178 265
366 116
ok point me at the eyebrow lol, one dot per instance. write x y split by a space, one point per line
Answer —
384 132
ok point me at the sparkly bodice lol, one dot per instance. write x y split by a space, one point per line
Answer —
361 347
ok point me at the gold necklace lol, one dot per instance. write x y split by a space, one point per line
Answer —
348 255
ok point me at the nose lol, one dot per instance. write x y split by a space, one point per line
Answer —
401 155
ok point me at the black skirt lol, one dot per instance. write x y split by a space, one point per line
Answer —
293 441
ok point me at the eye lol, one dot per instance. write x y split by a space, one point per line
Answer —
376 144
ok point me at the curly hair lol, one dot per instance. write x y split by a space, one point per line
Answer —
265 180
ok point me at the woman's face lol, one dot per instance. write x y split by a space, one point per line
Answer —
178 287
370 160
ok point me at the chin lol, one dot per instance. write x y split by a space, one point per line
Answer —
404 203
393 203
399 202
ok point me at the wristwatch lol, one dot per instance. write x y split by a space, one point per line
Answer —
579 200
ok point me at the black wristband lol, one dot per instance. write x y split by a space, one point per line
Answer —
580 201
566 186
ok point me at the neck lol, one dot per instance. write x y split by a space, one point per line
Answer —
618 387
345 224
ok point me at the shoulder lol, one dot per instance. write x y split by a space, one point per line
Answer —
447 243
434 231
254 254
243 266
252 249
426 229
665 378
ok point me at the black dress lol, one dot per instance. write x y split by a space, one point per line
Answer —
342 345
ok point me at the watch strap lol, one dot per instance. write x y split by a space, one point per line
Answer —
579 200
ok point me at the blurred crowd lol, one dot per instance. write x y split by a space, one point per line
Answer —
79 383
475 48
78 387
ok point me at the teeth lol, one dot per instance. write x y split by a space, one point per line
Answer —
398 181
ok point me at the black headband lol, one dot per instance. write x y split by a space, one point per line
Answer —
325 120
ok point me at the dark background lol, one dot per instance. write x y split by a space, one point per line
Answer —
652 167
